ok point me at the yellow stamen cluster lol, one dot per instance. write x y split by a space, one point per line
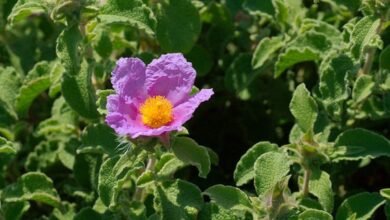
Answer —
156 111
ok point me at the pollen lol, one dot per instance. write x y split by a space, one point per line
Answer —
156 111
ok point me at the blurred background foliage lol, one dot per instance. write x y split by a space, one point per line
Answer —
220 38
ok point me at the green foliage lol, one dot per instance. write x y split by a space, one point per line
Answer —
244 171
270 168
77 91
303 108
360 206
178 25
36 81
10 83
229 197
363 35
33 186
359 143
312 77
321 186
131 13
171 205
6 147
188 151
313 214
265 49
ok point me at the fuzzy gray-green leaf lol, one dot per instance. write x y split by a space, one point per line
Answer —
128 12
245 171
304 108
361 206
355 144
171 204
229 197
188 151
265 50
321 186
270 168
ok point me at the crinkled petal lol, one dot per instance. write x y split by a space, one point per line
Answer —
128 78
170 76
184 111
122 115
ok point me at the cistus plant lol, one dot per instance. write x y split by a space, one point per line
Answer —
100 117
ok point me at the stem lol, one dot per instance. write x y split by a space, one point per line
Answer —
370 54
139 192
306 179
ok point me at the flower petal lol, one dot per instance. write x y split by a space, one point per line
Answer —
128 78
122 115
184 111
170 76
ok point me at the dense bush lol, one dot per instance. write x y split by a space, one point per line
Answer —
297 128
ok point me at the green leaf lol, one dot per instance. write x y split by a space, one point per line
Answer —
68 49
128 12
310 46
312 214
387 209
63 121
333 78
245 171
292 56
33 186
168 165
229 197
265 50
101 101
211 211
270 168
384 58
171 203
240 75
36 81
88 214
107 181
14 210
10 83
188 151
145 178
24 8
362 35
78 92
201 60
355 144
265 7
304 108
55 79
113 174
214 159
102 42
178 25
361 206
99 138
321 186
6 147
363 88
67 152
321 27
86 169
385 193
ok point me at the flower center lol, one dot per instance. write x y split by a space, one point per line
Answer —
156 111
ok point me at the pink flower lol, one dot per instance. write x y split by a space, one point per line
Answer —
155 99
